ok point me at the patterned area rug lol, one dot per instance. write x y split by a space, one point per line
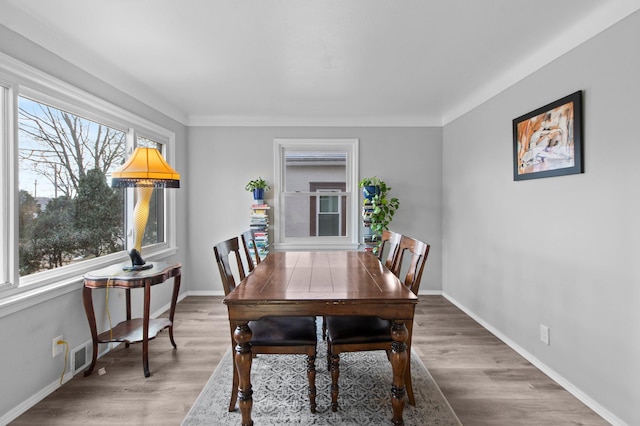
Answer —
280 393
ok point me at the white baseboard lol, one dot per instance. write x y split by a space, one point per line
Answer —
205 293
566 384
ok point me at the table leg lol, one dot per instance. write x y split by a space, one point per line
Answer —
174 300
91 317
399 334
242 336
145 329
127 293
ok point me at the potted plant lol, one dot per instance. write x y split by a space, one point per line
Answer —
257 186
371 186
378 208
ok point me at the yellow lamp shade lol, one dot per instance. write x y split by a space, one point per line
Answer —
145 167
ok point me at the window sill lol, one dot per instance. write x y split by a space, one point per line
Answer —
17 298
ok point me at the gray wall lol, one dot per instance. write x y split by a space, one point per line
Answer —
27 367
224 159
559 251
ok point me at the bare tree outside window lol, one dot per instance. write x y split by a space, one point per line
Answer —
68 211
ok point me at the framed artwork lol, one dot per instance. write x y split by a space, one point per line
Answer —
548 141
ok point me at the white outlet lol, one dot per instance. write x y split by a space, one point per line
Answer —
544 334
57 349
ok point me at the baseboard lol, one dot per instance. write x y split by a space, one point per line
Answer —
205 293
566 384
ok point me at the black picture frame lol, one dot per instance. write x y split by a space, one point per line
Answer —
549 141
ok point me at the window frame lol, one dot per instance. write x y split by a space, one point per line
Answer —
19 79
348 242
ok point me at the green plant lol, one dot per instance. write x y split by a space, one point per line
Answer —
257 184
382 207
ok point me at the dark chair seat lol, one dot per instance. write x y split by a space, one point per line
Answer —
358 330
283 331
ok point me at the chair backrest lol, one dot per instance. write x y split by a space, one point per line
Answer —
249 243
389 243
418 251
222 251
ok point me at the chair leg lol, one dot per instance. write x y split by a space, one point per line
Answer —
324 328
311 375
328 355
408 385
335 373
234 387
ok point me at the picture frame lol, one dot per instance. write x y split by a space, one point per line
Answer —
548 141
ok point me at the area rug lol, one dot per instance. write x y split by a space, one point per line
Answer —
280 393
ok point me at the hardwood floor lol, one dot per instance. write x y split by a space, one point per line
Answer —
485 381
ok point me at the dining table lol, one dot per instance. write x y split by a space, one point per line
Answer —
321 283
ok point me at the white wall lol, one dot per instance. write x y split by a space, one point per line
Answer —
27 370
223 159
559 251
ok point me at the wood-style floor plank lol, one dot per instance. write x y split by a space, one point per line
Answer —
485 381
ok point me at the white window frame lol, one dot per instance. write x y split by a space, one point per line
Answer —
16 79
348 242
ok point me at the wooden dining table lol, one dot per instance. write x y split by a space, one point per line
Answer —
321 283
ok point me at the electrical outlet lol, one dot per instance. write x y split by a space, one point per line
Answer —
544 334
57 349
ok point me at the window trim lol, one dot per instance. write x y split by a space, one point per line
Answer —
351 241
17 78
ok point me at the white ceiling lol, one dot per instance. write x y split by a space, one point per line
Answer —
311 62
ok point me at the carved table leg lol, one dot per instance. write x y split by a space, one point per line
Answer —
174 300
242 336
128 306
399 334
91 317
145 329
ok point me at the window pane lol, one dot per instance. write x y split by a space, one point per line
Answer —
328 225
328 204
304 167
68 211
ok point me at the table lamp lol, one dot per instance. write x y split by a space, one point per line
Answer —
144 170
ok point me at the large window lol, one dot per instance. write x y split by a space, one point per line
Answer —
60 215
67 211
316 201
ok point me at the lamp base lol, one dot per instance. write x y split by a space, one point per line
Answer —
137 267
137 262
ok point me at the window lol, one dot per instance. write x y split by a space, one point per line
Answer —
67 210
60 215
316 203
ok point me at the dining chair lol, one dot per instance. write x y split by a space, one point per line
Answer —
270 335
369 333
389 243
249 243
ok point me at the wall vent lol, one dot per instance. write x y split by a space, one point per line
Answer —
80 358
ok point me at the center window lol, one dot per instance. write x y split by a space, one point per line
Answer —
314 203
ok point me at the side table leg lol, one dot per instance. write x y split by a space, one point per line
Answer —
91 317
174 301
145 329
399 334
242 336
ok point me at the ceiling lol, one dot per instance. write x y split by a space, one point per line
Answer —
311 62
